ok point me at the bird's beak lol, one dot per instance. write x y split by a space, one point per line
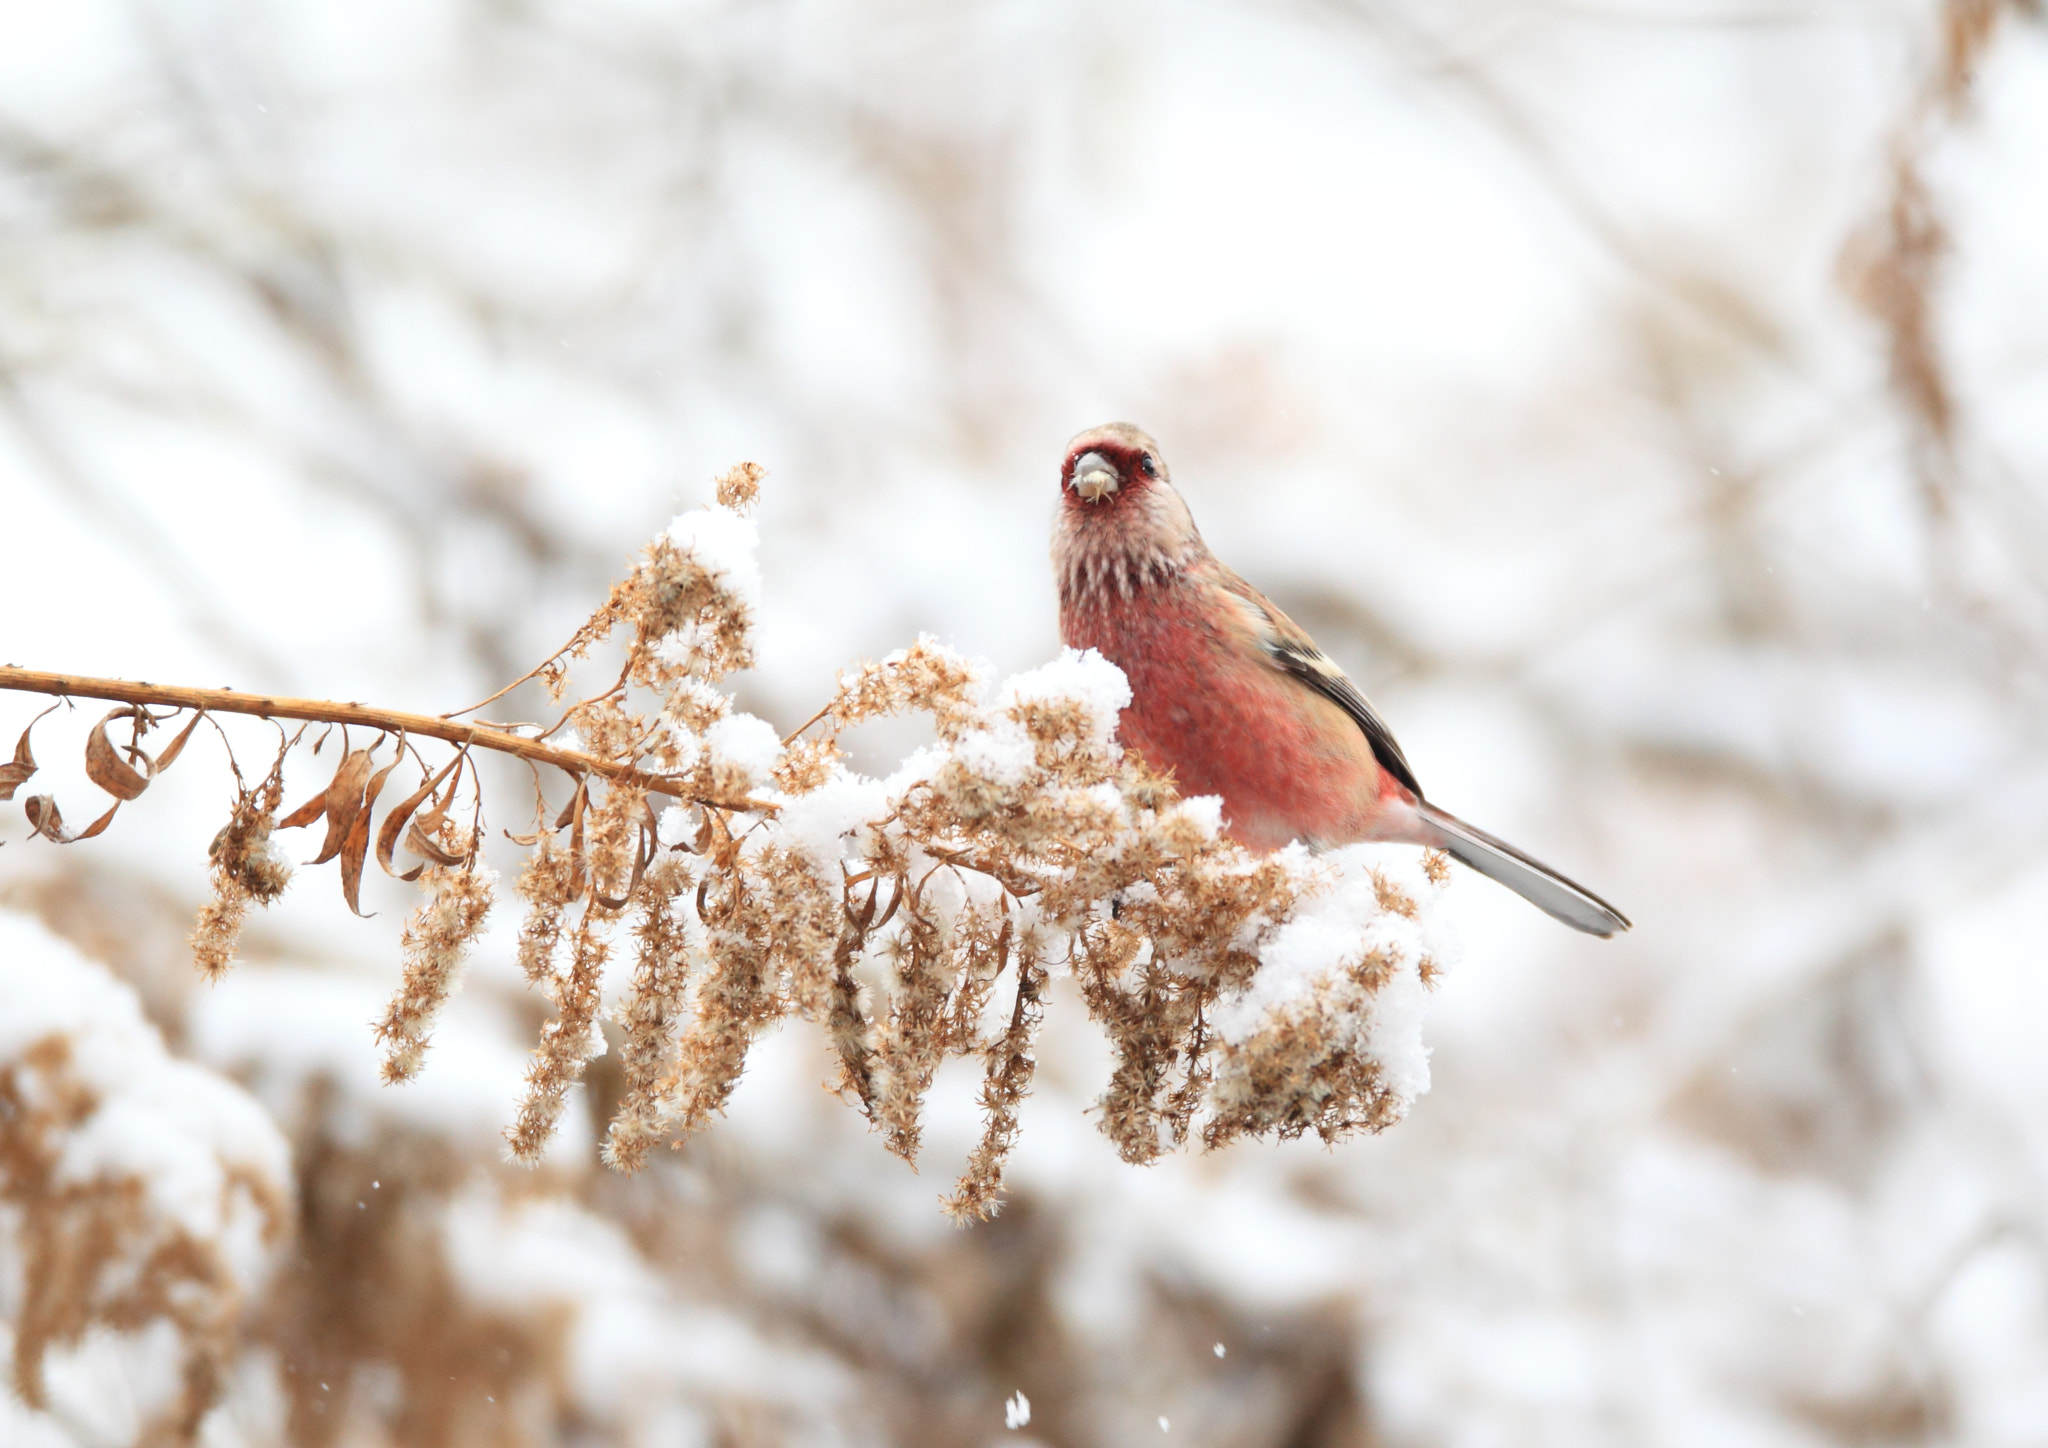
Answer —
1094 478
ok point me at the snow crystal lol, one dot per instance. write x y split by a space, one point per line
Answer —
723 543
1304 964
819 822
746 743
689 746
1003 752
1086 677
1205 811
920 766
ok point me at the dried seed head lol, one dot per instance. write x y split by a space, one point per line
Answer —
436 942
248 868
740 485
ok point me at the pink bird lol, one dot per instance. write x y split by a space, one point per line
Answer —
1231 695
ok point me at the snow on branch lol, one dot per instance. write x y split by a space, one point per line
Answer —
738 879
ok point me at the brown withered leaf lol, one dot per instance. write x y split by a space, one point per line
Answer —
572 812
104 765
306 813
48 821
13 776
643 856
419 837
118 776
415 839
356 847
177 746
340 802
572 816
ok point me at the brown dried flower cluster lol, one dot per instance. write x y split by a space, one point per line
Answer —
747 879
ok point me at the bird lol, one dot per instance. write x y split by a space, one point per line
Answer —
1234 698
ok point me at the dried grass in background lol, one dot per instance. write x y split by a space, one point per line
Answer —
1753 541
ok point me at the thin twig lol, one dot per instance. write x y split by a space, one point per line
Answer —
267 706
533 673
791 737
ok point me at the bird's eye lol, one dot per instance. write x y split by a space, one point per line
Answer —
1148 467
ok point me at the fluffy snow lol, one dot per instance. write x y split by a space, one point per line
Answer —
185 1134
1002 752
820 823
744 743
1302 964
211 1170
1205 812
723 543
1085 677
672 826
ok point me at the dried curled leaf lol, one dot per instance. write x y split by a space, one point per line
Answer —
355 848
340 802
104 765
48 821
15 774
418 840
346 802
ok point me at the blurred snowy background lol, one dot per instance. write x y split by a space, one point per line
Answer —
1646 400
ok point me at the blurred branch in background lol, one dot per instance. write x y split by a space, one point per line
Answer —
1643 401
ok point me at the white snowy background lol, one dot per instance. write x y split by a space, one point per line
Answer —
1513 345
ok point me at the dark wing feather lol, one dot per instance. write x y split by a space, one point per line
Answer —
1294 652
1313 667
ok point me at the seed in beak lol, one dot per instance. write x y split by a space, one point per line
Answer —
1094 478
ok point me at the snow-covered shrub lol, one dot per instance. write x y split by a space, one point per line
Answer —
143 1200
746 878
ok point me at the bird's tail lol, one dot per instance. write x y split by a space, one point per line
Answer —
1534 881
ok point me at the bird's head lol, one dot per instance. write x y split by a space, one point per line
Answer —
1111 467
1121 524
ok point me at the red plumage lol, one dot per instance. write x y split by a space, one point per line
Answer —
1232 696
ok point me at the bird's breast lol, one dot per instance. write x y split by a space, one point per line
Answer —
1206 704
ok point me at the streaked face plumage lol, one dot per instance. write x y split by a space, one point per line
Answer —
1121 526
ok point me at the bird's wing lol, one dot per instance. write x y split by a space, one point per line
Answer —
1294 652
